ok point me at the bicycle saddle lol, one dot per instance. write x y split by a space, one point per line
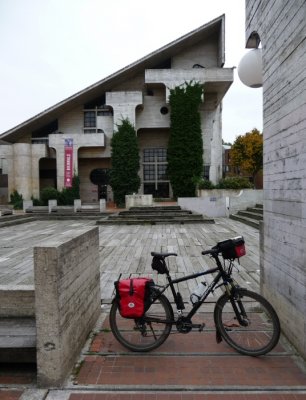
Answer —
162 255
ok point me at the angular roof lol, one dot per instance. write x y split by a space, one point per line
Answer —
216 26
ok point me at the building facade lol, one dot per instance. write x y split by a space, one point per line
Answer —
280 26
74 136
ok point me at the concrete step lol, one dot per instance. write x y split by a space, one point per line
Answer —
155 221
248 221
155 208
11 220
251 215
156 216
17 340
256 210
155 212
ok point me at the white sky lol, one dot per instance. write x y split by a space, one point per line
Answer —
51 49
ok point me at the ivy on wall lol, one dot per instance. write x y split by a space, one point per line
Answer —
185 147
124 178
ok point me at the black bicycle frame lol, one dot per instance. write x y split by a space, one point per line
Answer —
210 288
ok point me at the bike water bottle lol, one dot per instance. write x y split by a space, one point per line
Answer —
198 293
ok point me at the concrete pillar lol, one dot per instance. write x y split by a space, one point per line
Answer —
23 169
124 105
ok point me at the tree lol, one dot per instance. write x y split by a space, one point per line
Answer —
124 177
247 152
185 147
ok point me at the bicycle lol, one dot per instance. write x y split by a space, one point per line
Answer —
244 319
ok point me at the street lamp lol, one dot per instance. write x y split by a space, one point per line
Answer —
250 69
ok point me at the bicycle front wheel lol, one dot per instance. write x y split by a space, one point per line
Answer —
247 322
146 333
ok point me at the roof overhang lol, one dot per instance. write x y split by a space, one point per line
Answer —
216 26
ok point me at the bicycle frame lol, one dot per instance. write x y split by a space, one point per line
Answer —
222 275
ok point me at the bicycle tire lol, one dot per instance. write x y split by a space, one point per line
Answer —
262 328
142 335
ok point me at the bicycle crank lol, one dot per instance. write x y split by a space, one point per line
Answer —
184 325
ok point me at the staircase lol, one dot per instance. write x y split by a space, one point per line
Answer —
17 340
251 216
154 215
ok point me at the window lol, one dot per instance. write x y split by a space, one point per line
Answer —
93 109
155 172
90 120
206 171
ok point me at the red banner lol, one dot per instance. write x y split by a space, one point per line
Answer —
68 163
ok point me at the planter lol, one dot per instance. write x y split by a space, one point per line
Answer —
138 200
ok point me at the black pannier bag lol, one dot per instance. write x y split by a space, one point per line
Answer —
158 265
232 248
133 296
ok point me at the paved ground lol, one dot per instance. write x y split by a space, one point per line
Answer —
185 367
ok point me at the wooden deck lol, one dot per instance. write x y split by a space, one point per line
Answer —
126 249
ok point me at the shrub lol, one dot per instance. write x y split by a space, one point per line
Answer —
185 147
36 202
205 184
49 193
234 182
16 200
68 195
124 178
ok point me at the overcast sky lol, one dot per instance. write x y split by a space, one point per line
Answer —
51 49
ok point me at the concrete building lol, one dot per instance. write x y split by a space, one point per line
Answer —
74 135
280 26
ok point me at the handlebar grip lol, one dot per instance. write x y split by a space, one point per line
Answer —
210 251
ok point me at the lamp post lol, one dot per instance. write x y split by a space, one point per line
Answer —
250 68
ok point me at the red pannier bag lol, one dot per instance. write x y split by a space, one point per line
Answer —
232 248
133 296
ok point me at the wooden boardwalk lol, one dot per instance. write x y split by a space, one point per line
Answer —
126 249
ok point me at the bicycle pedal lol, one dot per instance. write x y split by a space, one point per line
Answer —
200 327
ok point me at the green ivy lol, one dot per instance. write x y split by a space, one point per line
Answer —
124 178
185 148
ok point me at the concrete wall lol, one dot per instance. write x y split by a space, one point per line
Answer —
17 301
67 300
281 28
221 203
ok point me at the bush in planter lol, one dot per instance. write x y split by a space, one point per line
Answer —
205 184
49 193
36 202
68 195
16 200
234 182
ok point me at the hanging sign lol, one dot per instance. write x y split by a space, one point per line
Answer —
68 163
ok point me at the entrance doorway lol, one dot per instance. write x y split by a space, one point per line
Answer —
100 177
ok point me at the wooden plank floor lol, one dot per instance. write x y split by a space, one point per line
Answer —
125 249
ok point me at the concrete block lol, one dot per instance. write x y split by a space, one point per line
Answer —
67 298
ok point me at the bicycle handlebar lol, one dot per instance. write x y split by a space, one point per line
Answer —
210 251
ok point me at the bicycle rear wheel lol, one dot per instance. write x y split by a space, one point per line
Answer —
146 333
259 329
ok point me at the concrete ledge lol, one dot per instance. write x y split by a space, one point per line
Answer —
68 300
17 301
138 200
221 202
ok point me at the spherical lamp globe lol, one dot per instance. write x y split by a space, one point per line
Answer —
250 69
